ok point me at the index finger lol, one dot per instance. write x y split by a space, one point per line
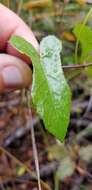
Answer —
11 24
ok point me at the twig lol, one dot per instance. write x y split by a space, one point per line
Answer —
77 66
34 143
45 170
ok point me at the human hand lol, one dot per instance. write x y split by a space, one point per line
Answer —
14 72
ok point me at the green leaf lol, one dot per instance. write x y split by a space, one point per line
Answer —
85 39
84 36
50 92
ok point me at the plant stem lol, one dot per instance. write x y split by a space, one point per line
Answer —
76 66
34 144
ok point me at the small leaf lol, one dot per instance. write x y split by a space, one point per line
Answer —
21 171
85 39
68 36
84 36
50 92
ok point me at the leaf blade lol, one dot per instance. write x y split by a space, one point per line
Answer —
85 38
50 91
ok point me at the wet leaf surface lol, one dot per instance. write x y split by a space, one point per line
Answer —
50 92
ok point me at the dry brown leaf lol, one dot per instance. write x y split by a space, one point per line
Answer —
81 2
68 36
37 4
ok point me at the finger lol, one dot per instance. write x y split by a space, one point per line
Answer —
14 73
11 24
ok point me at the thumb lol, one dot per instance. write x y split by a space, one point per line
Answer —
14 73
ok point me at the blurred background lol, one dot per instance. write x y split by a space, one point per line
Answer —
63 166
